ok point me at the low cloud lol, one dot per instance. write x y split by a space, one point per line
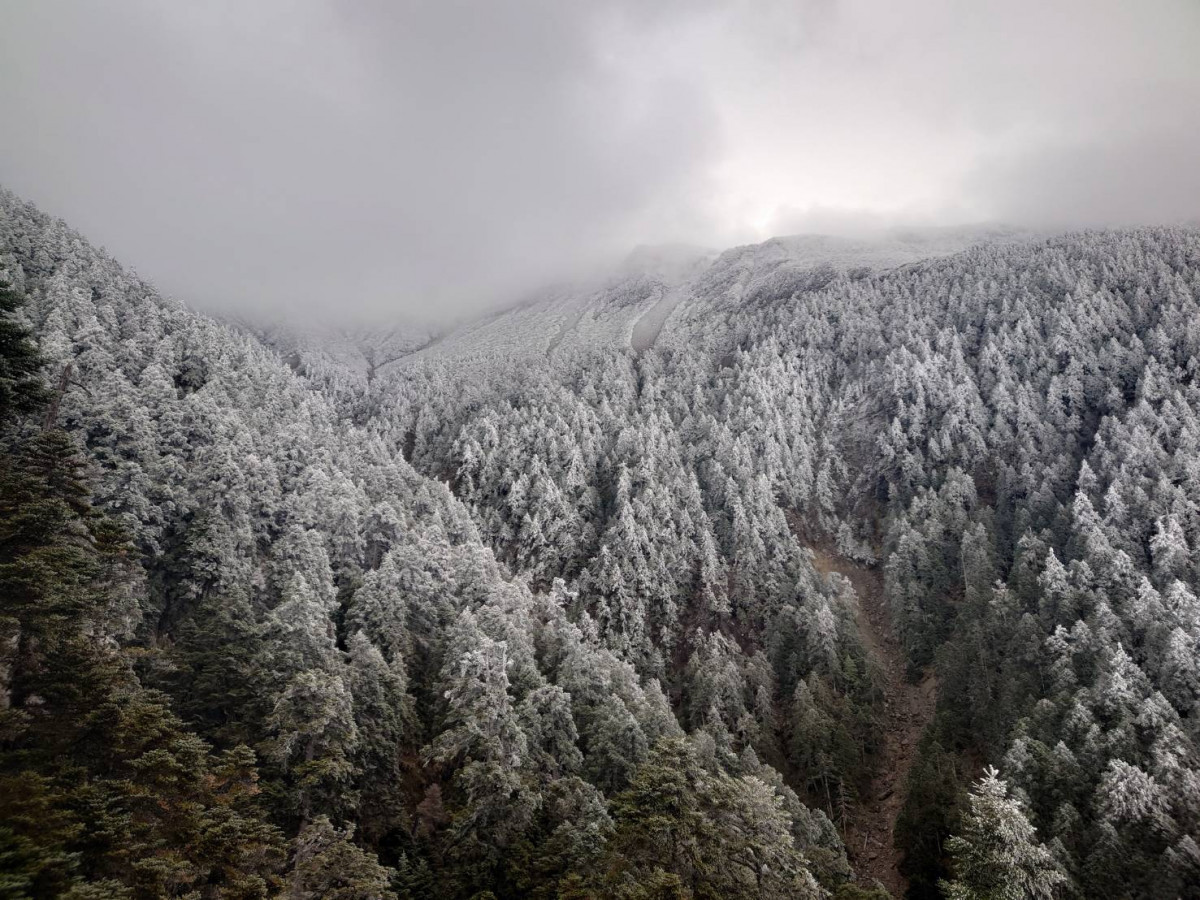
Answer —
372 158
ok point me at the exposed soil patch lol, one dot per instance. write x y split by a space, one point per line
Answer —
905 712
648 327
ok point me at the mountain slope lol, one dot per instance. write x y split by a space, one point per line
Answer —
527 607
299 588
1007 429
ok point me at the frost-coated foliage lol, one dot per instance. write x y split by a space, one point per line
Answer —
509 612
422 722
997 855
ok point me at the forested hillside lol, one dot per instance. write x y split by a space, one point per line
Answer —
548 609
1008 434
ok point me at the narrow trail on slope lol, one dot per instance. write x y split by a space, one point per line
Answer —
905 712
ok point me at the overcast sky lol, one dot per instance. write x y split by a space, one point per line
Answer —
398 156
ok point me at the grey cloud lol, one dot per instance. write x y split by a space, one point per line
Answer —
1130 166
368 157
362 155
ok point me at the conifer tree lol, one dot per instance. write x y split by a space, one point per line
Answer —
21 388
997 856
102 790
328 865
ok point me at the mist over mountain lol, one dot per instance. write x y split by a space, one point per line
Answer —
818 567
319 158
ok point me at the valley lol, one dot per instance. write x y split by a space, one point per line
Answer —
460 614
905 711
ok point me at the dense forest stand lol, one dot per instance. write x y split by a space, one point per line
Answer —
906 710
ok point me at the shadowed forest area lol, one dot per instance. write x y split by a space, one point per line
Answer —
906 710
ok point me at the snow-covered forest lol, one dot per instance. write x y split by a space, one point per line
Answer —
812 569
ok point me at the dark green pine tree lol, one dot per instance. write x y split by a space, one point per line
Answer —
683 831
214 682
103 793
929 816
21 387
662 830
329 866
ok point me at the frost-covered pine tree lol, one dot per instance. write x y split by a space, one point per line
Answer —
996 855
